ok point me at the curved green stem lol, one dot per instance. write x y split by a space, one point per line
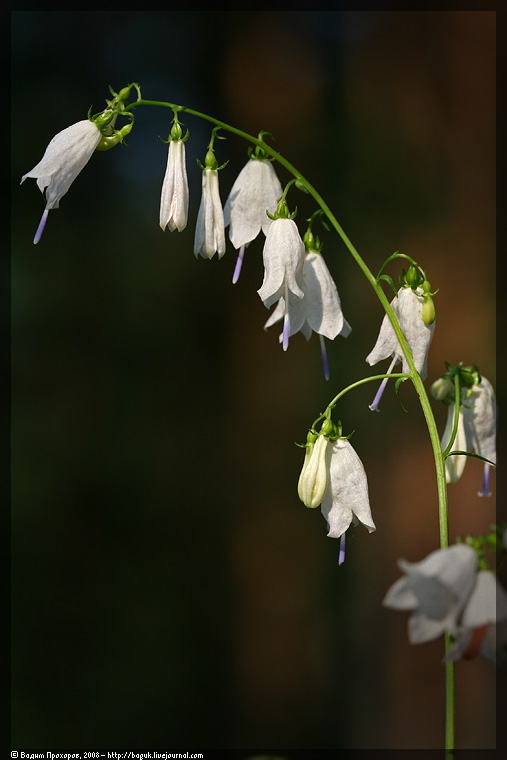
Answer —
413 374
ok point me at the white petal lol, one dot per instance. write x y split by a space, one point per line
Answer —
65 156
407 307
346 499
487 602
436 589
321 302
255 191
209 232
283 256
479 414
174 197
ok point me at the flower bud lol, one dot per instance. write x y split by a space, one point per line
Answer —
441 388
176 131
109 141
314 478
428 310
412 278
310 441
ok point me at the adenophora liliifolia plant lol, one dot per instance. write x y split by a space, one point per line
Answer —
450 592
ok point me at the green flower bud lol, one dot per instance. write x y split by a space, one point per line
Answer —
176 131
412 278
313 479
310 441
109 141
104 119
124 93
428 310
210 161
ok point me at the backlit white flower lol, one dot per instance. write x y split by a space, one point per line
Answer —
256 190
408 308
479 415
320 308
65 156
346 500
209 232
283 256
174 197
334 477
476 432
436 590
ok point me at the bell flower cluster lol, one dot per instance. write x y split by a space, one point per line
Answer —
476 426
450 592
333 477
407 305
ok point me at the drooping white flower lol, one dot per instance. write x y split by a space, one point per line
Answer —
346 500
174 198
479 415
436 590
209 232
65 156
320 308
334 477
483 624
476 432
408 308
256 190
283 256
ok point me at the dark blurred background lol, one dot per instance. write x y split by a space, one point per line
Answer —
168 587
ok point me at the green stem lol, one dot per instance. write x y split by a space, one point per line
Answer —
457 402
413 374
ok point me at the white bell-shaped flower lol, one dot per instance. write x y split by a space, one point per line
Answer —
320 308
476 432
346 500
407 306
66 155
210 232
174 198
333 477
256 190
435 590
480 417
283 256
408 309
